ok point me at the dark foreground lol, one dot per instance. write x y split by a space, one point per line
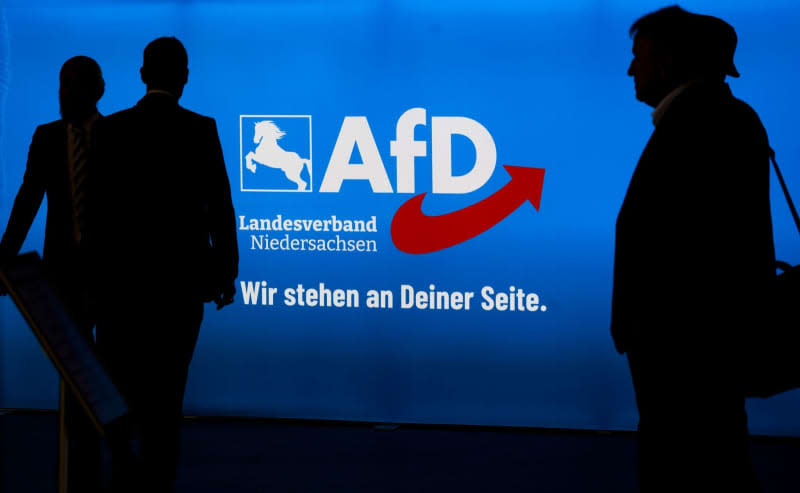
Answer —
246 456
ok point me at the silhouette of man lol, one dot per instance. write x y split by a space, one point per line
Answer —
163 241
693 250
57 167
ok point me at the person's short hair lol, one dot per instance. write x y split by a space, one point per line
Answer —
88 76
165 63
701 45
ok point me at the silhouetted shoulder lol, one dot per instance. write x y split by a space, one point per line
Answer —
51 126
196 120
49 129
191 114
113 119
45 145
743 112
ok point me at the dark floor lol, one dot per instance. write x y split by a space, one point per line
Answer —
281 456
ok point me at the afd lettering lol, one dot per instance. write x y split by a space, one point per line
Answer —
355 131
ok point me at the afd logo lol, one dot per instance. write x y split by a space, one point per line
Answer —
412 230
275 153
355 131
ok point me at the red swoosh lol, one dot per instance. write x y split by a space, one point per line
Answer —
414 232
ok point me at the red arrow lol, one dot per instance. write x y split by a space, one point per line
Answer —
415 232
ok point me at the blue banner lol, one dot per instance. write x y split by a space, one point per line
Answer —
425 193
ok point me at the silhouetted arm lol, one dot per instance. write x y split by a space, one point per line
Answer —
28 200
222 224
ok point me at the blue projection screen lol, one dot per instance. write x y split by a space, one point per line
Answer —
333 115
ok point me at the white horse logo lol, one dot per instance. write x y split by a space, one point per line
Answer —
270 154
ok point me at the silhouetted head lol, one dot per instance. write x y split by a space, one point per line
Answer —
81 86
672 46
165 65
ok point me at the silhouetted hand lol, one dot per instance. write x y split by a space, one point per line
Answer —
225 297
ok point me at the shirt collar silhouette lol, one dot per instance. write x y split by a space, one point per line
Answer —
665 103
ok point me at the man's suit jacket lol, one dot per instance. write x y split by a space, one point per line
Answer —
160 218
46 173
694 242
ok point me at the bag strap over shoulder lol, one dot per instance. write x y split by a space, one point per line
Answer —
785 189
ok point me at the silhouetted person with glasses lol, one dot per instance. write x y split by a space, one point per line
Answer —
58 168
693 254
163 240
